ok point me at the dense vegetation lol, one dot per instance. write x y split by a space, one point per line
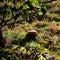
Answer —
29 30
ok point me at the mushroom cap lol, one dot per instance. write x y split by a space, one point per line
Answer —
32 31
50 40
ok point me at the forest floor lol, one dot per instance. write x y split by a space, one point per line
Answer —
47 29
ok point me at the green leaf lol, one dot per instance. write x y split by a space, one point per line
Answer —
34 2
8 8
40 13
5 1
3 58
44 6
25 6
6 17
41 58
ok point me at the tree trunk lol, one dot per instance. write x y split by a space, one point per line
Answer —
1 39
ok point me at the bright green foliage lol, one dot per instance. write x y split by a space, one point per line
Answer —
23 50
25 6
5 1
40 12
14 47
8 11
44 6
34 2
41 58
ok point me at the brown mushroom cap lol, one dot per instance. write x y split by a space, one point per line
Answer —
32 32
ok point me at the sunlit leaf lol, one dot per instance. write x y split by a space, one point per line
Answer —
18 5
44 6
29 52
25 6
5 1
34 2
40 13
23 50
14 47
41 58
